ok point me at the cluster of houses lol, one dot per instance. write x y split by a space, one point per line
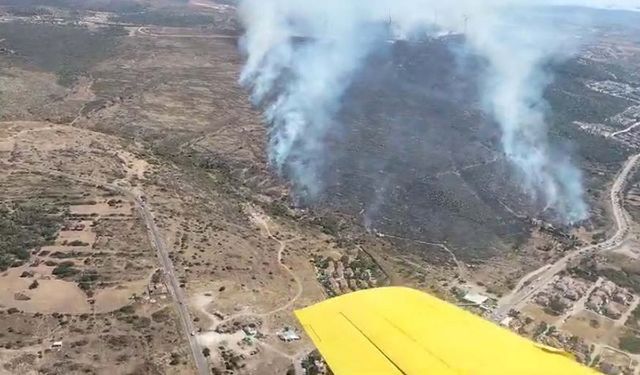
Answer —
344 275
562 294
608 299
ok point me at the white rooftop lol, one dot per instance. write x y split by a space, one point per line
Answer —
476 298
288 335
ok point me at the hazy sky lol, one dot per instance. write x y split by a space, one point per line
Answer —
618 4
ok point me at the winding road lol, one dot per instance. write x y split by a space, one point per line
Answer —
281 247
296 359
626 130
299 289
461 269
540 278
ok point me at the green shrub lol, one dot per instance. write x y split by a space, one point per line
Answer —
87 279
77 243
65 269
630 343
24 227
128 309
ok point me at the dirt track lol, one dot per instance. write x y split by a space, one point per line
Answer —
282 246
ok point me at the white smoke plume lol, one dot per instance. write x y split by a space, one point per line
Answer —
302 55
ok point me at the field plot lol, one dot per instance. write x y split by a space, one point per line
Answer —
83 292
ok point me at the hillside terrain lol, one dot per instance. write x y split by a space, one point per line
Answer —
142 230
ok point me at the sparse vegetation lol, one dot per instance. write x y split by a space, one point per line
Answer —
630 343
68 51
127 310
165 17
161 316
77 243
330 224
277 208
175 103
87 279
65 270
634 319
540 329
94 5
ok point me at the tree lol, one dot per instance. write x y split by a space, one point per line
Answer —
175 359
540 329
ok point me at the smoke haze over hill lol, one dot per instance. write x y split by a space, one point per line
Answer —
302 57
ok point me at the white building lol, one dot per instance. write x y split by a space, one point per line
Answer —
288 335
475 298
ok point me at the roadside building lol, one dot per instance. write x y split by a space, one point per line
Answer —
475 298
288 335
506 321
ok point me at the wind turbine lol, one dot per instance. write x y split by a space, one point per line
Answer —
466 23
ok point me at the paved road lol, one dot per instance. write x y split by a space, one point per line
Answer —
163 256
144 31
546 274
174 287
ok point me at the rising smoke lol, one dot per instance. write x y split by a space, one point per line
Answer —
302 55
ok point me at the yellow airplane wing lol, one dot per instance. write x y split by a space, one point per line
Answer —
401 331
